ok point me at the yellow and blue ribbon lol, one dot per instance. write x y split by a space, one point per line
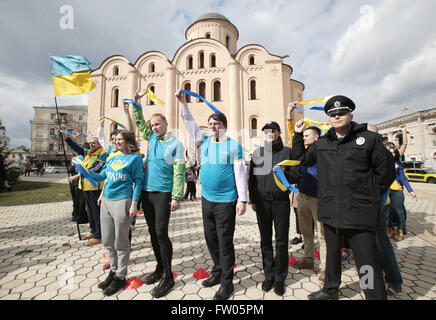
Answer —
195 95
306 102
83 171
119 124
280 177
73 134
150 94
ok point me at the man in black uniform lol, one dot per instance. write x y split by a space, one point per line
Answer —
354 170
272 205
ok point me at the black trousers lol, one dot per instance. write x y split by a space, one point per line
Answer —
277 213
363 245
219 228
157 211
93 211
190 190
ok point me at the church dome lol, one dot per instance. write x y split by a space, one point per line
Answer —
211 15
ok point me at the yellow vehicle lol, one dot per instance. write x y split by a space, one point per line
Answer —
421 174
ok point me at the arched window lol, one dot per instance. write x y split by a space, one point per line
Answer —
252 89
150 102
217 91
113 126
116 71
151 67
227 42
251 60
115 97
253 125
201 60
190 63
208 35
202 90
187 86
212 60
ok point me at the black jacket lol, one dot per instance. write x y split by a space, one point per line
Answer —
261 183
353 173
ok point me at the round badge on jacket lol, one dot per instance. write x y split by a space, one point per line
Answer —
360 141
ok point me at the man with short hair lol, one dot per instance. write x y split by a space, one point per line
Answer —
223 194
308 209
354 171
272 206
94 160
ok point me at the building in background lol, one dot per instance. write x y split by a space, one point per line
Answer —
249 85
46 143
421 126
4 139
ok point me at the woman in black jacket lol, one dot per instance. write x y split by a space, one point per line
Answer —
272 205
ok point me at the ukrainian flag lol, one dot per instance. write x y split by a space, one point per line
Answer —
71 75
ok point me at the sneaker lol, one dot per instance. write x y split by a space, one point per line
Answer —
106 283
116 285
346 254
194 199
391 291
297 240
303 264
164 287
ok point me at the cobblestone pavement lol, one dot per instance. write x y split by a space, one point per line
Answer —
42 258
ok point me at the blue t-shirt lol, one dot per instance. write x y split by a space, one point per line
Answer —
159 165
121 172
217 174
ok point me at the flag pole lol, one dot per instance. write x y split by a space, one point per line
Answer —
66 161
62 138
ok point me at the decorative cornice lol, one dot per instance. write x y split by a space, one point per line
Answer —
203 71
117 78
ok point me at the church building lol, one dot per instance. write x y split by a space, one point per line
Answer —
249 85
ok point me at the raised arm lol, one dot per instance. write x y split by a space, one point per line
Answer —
101 136
193 129
139 118
299 152
290 123
403 147
78 149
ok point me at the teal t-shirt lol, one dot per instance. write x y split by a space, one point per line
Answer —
121 173
159 168
217 174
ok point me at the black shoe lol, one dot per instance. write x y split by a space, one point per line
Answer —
164 287
154 277
297 240
212 281
279 288
224 293
267 285
115 286
323 295
106 283
391 291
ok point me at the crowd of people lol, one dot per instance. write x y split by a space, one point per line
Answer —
348 187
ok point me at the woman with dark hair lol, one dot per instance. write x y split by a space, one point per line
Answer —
396 196
122 171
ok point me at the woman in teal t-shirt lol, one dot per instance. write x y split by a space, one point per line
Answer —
124 179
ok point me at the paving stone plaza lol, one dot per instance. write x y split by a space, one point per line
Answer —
41 258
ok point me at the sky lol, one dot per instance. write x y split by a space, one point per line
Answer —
380 53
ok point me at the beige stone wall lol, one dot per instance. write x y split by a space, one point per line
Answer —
233 70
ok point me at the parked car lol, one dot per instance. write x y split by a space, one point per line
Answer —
55 169
412 164
421 174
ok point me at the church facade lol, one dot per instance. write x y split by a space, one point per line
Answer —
249 85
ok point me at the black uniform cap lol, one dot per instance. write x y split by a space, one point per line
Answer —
339 104
271 125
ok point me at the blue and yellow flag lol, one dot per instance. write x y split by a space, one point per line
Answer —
71 75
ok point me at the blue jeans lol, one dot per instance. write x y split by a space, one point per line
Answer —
388 260
397 203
